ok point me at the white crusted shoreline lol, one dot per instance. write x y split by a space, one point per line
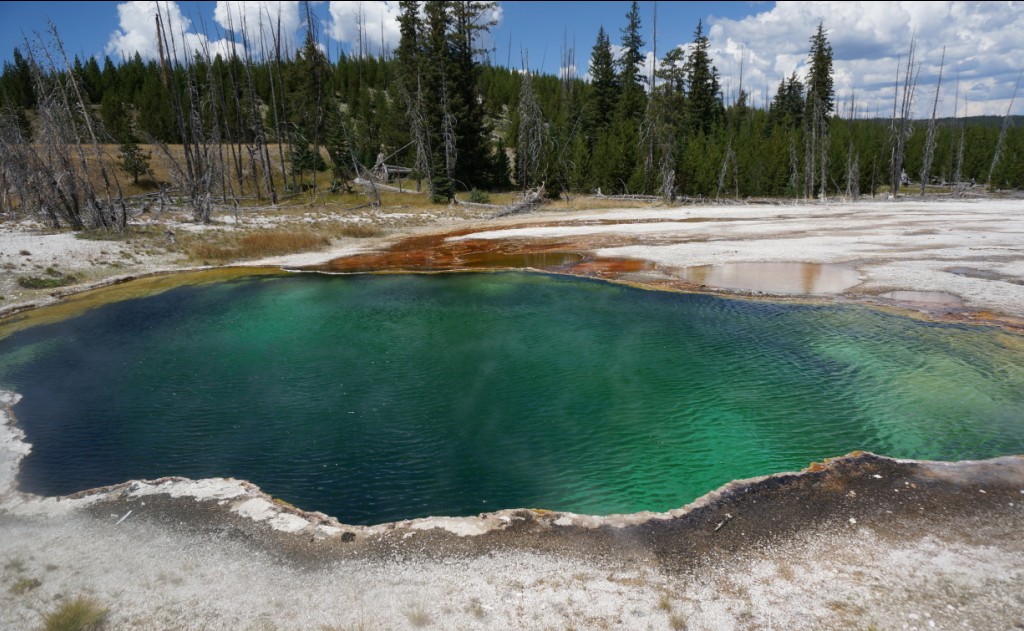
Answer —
910 545
904 245
846 570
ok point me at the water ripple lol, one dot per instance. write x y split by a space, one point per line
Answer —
389 397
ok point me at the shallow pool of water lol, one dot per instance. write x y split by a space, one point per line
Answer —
376 398
924 298
812 279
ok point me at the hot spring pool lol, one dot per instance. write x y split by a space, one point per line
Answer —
384 397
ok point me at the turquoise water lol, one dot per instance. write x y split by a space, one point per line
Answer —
375 398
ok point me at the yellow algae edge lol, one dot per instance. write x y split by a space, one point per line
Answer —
117 290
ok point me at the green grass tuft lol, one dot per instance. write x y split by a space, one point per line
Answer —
52 280
80 614
24 585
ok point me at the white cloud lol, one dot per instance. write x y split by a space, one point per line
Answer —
261 22
379 21
868 39
493 16
137 32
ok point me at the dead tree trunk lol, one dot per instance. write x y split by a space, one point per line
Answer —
51 174
794 168
901 126
530 145
1002 135
929 143
852 173
200 146
729 159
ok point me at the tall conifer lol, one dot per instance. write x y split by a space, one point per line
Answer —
604 84
704 102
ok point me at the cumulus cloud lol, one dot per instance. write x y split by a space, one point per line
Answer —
376 20
378 24
137 32
869 39
261 22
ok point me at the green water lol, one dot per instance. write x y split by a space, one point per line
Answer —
375 398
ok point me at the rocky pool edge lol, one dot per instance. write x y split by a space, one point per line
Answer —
879 479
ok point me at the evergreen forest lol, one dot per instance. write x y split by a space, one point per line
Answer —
261 123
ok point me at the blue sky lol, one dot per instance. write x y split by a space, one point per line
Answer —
770 39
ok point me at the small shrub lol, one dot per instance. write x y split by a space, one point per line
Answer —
23 585
81 614
25 253
477 609
417 615
477 196
56 279
665 602
443 191
677 622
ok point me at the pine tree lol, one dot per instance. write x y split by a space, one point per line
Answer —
469 21
500 168
92 80
156 118
787 108
703 99
310 98
632 100
410 57
820 91
820 103
134 161
439 79
604 84
668 102
672 72
115 116
438 115
16 82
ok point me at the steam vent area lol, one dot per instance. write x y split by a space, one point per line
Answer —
710 416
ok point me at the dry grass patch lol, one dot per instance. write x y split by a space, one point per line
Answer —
358 230
255 245
272 242
584 202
